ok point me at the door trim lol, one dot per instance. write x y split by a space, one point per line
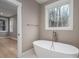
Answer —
19 26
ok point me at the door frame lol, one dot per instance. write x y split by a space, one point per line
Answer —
19 26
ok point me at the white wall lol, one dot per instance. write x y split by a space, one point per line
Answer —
69 37
30 14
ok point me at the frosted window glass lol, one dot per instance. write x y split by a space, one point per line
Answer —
58 16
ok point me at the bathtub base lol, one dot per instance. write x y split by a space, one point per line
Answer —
50 54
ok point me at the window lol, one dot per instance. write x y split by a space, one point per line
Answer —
59 15
3 24
11 24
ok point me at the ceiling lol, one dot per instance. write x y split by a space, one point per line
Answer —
38 1
41 1
7 9
19 0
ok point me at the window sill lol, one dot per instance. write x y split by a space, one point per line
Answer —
59 28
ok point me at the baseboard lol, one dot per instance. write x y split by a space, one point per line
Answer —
30 50
3 37
12 38
8 38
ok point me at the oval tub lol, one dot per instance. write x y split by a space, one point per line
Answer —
43 49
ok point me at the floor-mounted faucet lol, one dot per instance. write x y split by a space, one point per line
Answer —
55 36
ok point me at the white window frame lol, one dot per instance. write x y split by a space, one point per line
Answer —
11 24
70 22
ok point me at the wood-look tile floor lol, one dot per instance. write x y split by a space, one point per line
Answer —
8 48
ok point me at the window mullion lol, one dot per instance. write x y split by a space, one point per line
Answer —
58 18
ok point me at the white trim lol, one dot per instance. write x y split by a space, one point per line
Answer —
13 38
3 37
58 3
19 26
9 37
19 30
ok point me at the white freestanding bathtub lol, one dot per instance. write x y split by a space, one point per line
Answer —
43 49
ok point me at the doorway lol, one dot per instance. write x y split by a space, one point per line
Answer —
10 29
